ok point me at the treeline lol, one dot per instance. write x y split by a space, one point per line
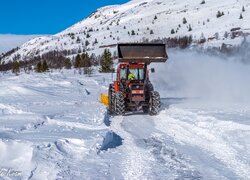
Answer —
53 59
175 42
57 60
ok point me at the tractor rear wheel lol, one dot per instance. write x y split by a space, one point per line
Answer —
145 109
148 89
119 104
149 86
154 103
111 96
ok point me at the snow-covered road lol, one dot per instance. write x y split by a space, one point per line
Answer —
184 143
53 127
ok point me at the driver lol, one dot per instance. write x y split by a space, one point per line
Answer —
131 76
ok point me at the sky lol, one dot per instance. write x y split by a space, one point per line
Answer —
45 16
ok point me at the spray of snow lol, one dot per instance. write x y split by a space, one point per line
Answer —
190 74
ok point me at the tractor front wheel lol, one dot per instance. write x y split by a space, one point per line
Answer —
111 96
119 104
154 103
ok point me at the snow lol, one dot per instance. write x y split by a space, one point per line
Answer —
46 122
211 78
17 155
50 128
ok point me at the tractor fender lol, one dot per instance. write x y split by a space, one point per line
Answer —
116 86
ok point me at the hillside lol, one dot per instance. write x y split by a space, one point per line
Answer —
210 23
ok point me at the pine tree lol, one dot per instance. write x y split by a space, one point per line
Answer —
67 63
78 40
241 17
85 60
106 62
132 32
219 14
39 67
87 43
189 28
172 31
15 67
155 17
243 9
151 31
77 61
184 21
45 66
95 42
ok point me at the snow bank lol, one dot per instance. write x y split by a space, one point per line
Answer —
74 148
7 109
190 74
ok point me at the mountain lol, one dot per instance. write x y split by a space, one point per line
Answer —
209 22
10 41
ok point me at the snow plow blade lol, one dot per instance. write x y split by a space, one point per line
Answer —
142 52
105 99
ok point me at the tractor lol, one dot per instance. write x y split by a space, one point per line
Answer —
132 90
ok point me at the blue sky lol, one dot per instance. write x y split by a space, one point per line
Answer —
45 16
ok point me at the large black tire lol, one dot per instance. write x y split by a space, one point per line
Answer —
119 104
111 95
149 86
145 109
148 89
154 103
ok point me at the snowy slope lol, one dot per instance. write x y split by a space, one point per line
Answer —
10 41
112 24
49 125
52 125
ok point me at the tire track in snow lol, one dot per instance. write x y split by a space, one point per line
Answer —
135 164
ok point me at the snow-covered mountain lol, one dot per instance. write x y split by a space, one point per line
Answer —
10 41
141 20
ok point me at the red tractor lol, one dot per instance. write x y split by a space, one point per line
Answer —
132 89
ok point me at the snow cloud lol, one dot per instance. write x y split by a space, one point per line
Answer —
190 74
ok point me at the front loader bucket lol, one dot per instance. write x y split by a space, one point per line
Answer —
142 52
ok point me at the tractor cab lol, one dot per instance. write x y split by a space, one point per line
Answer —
128 71
131 78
